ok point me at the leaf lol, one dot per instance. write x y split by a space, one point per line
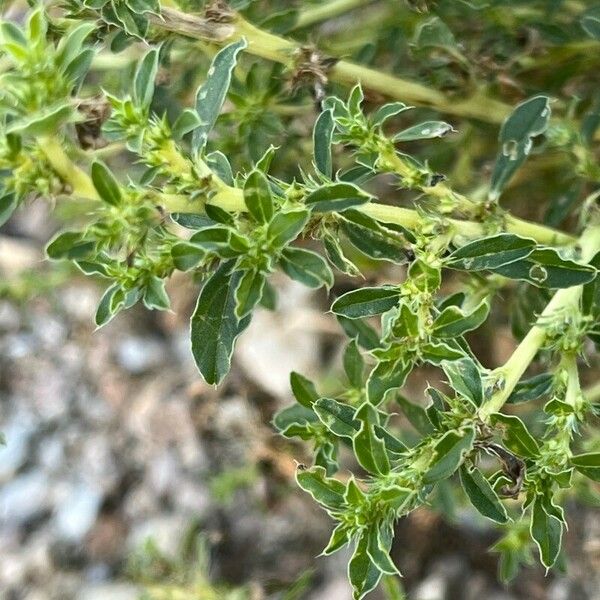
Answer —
322 136
354 365
143 80
306 266
106 308
192 220
588 464
257 197
366 302
212 93
70 45
326 491
449 453
482 495
416 415
490 252
591 25
362 571
385 112
545 267
465 378
187 121
365 335
424 131
528 120
531 389
187 256
336 197
8 205
214 325
155 295
295 421
248 292
453 321
546 531
303 389
369 448
378 554
106 185
69 245
336 256
387 375
337 417
516 436
46 121
286 226
339 538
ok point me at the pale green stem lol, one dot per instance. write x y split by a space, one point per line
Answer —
512 371
327 10
272 47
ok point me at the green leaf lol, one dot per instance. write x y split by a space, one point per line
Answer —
371 238
192 220
416 415
143 80
257 197
326 491
337 417
46 121
303 389
296 421
322 136
369 448
106 185
528 120
8 205
214 324
211 94
362 571
108 308
516 436
546 531
385 112
70 45
490 252
69 245
531 389
365 335
424 131
482 495
286 226
306 266
187 121
354 365
387 375
187 256
366 302
545 267
248 292
336 197
155 295
588 464
449 452
378 553
465 378
453 321
336 256
339 538
591 25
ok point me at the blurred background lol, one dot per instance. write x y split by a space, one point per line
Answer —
124 476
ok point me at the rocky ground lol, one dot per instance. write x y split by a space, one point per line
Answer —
112 439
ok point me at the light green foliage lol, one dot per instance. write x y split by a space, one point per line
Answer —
220 168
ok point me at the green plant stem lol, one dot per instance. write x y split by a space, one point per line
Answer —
232 199
327 10
278 49
79 180
512 371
